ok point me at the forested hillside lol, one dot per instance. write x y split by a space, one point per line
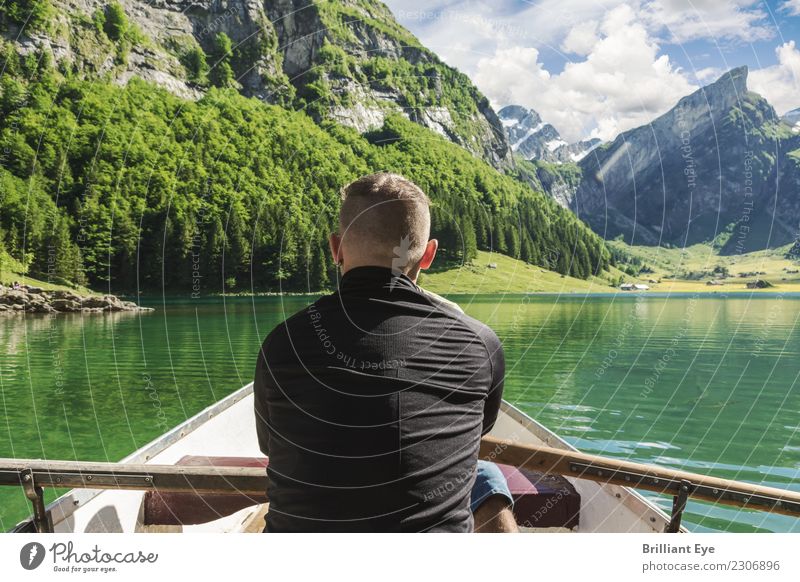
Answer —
133 187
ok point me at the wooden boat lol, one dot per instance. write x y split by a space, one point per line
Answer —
207 475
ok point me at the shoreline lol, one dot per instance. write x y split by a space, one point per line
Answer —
29 299
150 300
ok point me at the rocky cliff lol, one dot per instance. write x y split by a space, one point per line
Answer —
352 62
719 166
349 60
156 43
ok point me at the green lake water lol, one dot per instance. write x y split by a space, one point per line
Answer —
706 384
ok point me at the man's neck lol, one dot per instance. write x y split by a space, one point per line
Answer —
413 274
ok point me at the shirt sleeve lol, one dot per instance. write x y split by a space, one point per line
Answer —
494 398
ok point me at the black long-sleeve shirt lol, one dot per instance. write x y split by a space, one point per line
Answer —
370 404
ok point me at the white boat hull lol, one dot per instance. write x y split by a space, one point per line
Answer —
227 429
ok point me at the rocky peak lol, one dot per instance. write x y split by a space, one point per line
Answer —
533 139
793 118
701 168
734 80
718 97
519 123
517 113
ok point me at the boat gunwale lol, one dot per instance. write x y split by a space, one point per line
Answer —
67 504
631 498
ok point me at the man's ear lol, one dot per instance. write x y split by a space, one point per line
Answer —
429 254
335 243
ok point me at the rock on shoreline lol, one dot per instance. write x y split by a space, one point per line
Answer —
36 300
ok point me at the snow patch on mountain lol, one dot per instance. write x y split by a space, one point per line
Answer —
793 119
534 139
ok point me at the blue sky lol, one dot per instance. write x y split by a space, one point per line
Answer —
598 67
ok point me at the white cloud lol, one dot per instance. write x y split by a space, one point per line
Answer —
622 83
549 22
581 39
780 83
686 20
463 31
617 76
706 75
458 31
791 7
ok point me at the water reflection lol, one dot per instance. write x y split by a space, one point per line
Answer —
706 384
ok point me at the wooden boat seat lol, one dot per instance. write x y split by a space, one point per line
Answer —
193 509
540 500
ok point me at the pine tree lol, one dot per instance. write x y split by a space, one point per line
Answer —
195 62
526 250
3 258
57 255
222 46
469 241
116 22
237 250
318 269
583 267
34 14
512 241
498 240
481 231
221 74
10 60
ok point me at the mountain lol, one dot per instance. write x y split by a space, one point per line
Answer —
347 61
719 166
143 148
793 119
534 139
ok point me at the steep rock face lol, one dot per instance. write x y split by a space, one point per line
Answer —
352 62
559 180
300 33
166 32
349 61
707 168
533 139
783 187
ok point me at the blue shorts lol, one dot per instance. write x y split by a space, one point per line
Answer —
489 481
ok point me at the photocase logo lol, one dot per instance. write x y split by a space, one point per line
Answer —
31 555
400 260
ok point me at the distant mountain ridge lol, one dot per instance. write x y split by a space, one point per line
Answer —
720 166
793 118
533 139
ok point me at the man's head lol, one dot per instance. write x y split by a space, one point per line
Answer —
385 221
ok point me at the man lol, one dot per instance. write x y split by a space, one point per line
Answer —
371 402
